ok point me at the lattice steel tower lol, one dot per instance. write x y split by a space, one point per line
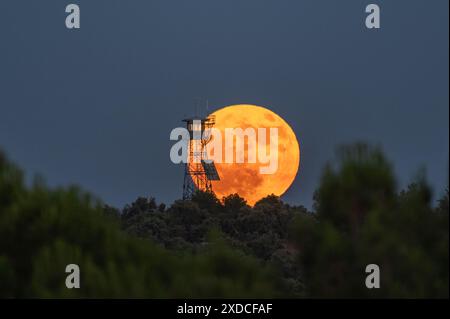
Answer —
199 172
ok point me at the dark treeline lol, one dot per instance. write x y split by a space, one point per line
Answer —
261 231
209 247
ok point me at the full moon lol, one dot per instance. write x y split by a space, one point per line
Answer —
245 179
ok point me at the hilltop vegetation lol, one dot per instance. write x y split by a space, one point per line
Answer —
206 247
42 230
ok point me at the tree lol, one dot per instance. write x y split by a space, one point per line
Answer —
361 220
43 230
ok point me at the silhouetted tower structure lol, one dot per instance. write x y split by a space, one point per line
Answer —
199 172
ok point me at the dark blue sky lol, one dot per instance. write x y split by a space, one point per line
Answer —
95 106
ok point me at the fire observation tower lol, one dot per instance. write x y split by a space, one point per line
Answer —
199 172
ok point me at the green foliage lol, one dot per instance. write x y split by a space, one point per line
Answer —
42 231
260 231
360 221
206 247
364 181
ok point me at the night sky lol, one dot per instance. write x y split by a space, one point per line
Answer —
95 106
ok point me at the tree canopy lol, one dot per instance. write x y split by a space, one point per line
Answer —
210 247
43 230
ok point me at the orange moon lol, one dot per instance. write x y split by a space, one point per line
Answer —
245 179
